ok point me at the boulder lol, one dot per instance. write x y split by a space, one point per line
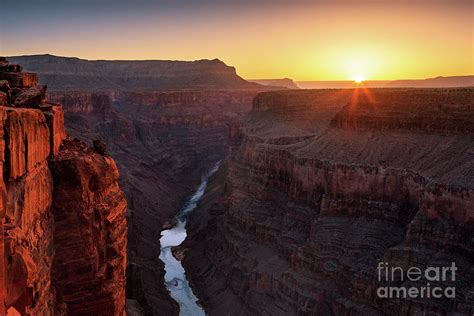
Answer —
15 68
99 147
20 79
4 86
31 98
5 66
3 99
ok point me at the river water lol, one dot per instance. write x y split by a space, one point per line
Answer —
175 276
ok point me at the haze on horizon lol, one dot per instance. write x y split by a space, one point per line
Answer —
303 40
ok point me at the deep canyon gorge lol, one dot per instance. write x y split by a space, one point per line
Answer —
316 187
163 138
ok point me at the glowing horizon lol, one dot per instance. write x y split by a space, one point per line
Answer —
339 40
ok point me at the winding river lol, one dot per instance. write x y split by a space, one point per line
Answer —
175 276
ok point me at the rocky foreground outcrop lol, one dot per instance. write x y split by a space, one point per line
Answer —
63 228
322 186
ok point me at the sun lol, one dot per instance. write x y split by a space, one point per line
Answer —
359 78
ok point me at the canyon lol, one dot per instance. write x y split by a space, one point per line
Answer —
319 186
163 137
63 228
163 142
315 189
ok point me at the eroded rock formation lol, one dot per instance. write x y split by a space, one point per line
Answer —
163 142
165 123
321 186
63 229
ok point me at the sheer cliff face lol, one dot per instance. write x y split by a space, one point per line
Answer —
87 182
321 186
63 228
163 142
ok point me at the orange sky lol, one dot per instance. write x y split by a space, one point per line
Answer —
325 40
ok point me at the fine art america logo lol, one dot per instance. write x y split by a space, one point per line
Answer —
427 281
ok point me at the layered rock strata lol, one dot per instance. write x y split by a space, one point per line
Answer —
62 215
69 73
165 123
163 142
321 186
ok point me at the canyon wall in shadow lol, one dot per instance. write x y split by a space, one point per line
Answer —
163 142
320 186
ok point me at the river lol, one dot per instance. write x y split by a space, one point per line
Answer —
175 275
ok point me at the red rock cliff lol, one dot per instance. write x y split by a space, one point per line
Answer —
63 228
